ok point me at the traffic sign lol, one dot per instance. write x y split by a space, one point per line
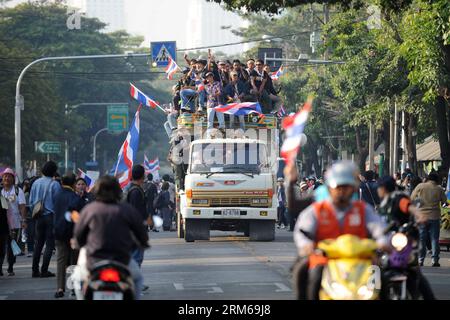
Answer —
117 118
48 147
268 53
161 51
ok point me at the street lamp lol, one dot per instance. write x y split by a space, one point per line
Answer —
20 105
95 139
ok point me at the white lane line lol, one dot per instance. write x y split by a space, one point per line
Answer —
281 286
211 287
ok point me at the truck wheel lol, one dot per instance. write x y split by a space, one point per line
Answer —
262 230
180 227
196 229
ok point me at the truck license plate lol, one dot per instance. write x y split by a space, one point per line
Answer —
107 295
231 212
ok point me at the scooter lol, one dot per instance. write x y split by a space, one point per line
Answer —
402 279
107 280
349 273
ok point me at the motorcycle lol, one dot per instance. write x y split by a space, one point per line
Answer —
107 280
402 279
349 273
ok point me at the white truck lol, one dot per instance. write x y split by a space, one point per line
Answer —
230 185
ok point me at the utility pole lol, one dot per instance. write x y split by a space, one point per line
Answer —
395 145
371 146
403 142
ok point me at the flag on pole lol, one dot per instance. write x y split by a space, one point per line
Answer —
142 98
89 180
151 166
294 126
127 152
171 68
277 74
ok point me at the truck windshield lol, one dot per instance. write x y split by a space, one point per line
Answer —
229 158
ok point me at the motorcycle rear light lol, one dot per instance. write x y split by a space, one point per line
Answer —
109 275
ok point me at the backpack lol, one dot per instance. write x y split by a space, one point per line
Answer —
127 191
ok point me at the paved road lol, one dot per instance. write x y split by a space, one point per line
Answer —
227 267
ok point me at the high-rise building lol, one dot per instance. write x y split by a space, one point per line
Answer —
111 12
207 24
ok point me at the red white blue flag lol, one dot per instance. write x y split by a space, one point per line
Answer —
127 153
89 180
142 98
171 68
277 74
282 112
294 126
151 166
240 109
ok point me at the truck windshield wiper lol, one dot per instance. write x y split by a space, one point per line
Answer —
209 174
242 170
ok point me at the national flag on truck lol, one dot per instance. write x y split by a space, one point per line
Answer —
127 152
282 112
171 68
151 166
200 85
89 180
240 109
277 74
448 187
294 126
142 98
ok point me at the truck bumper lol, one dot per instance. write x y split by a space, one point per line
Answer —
245 213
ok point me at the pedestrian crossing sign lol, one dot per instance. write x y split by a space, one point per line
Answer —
161 51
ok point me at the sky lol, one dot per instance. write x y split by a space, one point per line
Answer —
156 20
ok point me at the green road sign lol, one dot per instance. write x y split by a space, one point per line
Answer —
117 118
48 146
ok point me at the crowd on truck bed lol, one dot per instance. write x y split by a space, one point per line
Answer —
206 84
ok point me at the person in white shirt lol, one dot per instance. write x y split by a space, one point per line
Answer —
16 213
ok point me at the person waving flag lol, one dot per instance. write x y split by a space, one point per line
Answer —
294 126
171 68
89 180
277 74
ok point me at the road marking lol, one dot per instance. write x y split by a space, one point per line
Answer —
198 286
281 286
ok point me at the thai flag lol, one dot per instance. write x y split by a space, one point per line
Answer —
294 126
151 166
127 152
200 85
89 181
282 112
142 98
448 187
240 109
171 68
277 74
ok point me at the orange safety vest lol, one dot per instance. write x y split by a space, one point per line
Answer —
328 226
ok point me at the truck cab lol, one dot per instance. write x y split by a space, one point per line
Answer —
229 184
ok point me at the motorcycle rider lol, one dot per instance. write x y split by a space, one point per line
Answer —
329 219
109 229
396 208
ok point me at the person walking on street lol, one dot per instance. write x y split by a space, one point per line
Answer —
368 189
430 196
66 201
172 193
281 196
136 198
16 213
30 222
44 191
81 191
151 191
164 205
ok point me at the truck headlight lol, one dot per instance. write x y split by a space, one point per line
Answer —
199 201
260 201
364 293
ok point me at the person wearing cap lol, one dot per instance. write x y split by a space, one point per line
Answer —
330 219
224 75
14 199
214 92
281 196
237 91
186 81
190 92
